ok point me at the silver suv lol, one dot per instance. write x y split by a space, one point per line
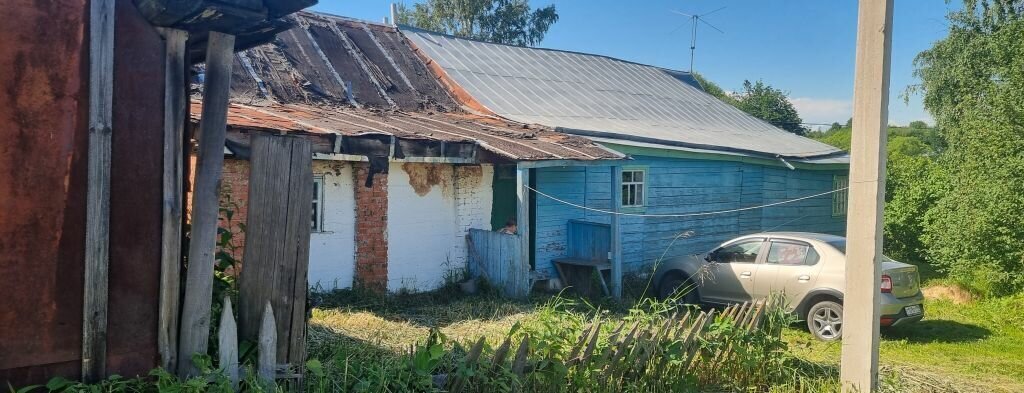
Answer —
808 268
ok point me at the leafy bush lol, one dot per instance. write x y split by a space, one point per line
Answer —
973 83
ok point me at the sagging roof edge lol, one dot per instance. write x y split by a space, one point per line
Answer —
331 142
711 148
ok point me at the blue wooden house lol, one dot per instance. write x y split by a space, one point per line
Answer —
697 170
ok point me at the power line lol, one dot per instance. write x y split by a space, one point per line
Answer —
683 214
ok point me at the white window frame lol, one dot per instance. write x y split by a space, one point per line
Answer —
630 189
841 196
316 222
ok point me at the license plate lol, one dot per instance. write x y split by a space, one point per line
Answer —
913 311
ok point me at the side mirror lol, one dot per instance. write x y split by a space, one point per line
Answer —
711 257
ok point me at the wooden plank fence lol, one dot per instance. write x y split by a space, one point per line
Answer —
497 258
632 350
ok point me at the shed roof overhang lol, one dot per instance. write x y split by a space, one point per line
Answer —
252 22
424 137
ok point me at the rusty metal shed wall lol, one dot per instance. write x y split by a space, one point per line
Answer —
42 208
43 165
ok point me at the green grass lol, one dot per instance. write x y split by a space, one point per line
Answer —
970 347
957 348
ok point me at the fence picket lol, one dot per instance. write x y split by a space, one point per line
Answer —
698 331
519 363
227 343
267 347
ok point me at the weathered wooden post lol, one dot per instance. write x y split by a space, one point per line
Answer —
97 221
276 256
171 214
523 214
861 312
195 319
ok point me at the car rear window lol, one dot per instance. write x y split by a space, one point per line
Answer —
841 246
791 253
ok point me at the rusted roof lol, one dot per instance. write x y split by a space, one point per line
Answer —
508 141
331 75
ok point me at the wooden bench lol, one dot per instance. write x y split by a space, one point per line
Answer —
587 248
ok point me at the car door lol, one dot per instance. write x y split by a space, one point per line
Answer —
790 267
732 269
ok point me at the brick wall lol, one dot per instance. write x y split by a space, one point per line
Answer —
473 201
371 229
234 196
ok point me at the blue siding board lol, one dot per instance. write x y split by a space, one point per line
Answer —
679 186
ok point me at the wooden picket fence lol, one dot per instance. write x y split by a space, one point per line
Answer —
632 351
268 371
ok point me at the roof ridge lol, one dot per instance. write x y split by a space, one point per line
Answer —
609 57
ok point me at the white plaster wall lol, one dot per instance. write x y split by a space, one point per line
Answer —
426 229
332 252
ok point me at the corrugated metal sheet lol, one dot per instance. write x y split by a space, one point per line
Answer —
512 143
601 96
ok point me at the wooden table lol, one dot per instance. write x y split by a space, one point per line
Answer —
575 272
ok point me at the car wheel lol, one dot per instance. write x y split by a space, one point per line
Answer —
825 320
670 285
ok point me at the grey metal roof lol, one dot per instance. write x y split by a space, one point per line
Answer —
599 96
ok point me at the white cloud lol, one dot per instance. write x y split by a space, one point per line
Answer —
823 110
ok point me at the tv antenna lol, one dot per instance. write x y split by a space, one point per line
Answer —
694 18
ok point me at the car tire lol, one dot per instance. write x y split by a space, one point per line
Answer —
825 320
669 286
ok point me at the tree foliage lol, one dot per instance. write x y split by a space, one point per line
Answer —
771 105
973 84
510 22
714 89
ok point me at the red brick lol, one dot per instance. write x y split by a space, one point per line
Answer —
371 227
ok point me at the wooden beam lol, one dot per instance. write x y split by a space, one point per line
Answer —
523 214
195 320
861 312
616 232
97 221
277 242
170 244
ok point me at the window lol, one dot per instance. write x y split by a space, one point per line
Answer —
840 198
633 187
317 220
742 252
791 253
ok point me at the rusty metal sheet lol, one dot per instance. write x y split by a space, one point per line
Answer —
43 165
135 194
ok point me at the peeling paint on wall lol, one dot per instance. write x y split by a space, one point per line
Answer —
423 177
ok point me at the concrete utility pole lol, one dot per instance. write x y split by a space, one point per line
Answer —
861 312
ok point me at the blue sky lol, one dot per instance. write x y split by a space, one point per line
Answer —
805 47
